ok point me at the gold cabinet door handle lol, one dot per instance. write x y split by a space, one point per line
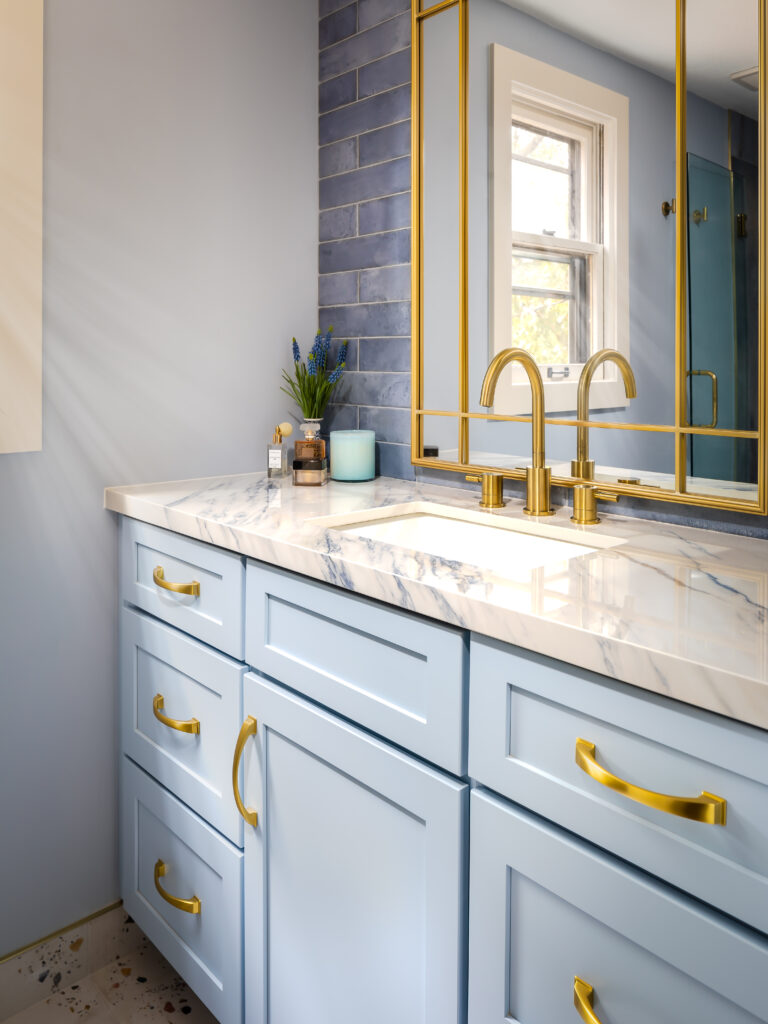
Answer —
582 1000
188 906
158 577
249 728
191 725
705 807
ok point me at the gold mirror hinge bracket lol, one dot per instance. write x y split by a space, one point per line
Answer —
585 499
669 207
492 496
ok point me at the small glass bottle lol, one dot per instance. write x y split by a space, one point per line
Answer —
277 451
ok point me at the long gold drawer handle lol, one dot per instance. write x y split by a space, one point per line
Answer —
249 727
191 725
705 807
582 1000
158 577
188 906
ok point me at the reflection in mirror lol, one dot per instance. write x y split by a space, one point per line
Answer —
575 103
440 210
441 438
723 242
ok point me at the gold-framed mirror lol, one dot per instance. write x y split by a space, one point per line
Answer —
553 148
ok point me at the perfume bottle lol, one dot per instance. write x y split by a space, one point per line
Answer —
277 451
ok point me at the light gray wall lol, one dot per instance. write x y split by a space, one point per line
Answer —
180 257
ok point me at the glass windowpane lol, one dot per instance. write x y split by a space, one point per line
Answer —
541 200
527 142
541 326
533 272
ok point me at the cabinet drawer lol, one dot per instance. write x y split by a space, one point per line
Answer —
214 614
401 676
201 690
526 714
354 873
204 947
546 908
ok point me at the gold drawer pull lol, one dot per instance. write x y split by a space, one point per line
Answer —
582 1000
158 703
249 728
188 906
705 807
158 576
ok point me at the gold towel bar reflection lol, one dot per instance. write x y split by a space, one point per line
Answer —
158 703
705 807
159 579
582 1000
188 906
249 728
713 377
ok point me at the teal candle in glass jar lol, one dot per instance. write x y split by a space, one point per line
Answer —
353 454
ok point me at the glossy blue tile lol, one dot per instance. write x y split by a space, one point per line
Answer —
385 73
394 460
337 92
366 183
385 214
338 157
370 320
385 143
337 26
328 6
364 47
385 284
365 115
340 417
373 12
337 289
382 250
385 354
338 223
392 425
379 389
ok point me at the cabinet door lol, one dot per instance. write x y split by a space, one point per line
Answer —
547 908
354 873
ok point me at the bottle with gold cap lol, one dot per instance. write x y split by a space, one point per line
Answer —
277 451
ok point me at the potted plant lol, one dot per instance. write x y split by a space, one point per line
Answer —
311 384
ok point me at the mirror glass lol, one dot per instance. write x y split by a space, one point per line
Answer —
572 152
572 234
723 243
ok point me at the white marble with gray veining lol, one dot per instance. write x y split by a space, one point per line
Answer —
682 612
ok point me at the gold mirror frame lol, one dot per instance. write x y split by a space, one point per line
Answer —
680 430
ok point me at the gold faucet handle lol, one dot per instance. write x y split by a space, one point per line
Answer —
491 496
585 498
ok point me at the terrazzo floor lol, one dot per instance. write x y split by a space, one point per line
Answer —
135 987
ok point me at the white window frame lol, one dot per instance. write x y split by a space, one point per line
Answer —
529 90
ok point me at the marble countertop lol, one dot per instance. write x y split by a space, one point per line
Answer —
682 612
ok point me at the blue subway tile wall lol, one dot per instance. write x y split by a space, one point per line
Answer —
365 217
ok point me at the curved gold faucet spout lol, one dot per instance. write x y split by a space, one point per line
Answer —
488 390
582 466
537 475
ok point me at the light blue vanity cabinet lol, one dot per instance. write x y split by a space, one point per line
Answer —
299 839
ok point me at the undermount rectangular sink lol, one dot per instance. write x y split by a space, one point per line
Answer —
505 545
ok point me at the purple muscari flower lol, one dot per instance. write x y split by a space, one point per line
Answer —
312 364
341 358
324 343
296 353
335 375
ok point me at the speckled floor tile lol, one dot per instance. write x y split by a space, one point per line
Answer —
136 985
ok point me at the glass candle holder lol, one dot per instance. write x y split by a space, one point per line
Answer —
353 454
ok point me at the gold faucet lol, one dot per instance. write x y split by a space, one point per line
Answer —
537 476
582 466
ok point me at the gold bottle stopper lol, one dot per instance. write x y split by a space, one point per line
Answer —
281 430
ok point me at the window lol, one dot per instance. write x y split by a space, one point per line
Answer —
559 218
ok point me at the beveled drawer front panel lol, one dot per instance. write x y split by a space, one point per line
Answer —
399 675
546 909
153 560
527 713
180 715
182 883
